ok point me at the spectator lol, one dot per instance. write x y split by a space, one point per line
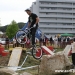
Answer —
44 40
41 41
22 41
28 43
51 40
14 42
73 55
55 41
64 42
17 44
47 41
68 40
59 42
74 38
7 42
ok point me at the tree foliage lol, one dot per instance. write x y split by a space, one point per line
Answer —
3 28
12 29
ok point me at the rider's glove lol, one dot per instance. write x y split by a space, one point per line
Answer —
34 25
26 28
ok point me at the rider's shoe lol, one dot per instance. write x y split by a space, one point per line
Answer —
72 66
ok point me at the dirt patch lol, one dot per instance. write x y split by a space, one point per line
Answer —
3 73
4 60
29 62
6 71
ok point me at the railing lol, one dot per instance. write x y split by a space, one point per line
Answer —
58 31
56 5
57 15
57 26
50 10
57 21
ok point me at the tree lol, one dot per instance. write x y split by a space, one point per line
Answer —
12 29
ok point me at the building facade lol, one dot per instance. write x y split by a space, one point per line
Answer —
56 16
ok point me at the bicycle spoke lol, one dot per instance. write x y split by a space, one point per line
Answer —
21 37
37 52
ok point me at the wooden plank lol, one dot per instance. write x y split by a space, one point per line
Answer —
47 50
15 56
11 49
67 50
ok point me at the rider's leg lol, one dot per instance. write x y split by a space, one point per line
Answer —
28 35
33 35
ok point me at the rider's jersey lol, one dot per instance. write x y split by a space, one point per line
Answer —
32 19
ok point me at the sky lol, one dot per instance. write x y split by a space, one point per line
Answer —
14 10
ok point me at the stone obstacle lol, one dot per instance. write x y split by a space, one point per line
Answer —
67 50
56 61
50 63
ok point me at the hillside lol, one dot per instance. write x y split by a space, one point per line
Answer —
3 28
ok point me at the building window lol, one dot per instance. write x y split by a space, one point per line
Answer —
73 24
53 2
73 3
46 13
73 13
47 23
41 8
53 8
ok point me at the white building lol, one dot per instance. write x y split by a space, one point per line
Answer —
56 16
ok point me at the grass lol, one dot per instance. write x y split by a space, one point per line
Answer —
33 71
29 62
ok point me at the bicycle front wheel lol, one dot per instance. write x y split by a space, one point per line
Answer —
37 52
21 37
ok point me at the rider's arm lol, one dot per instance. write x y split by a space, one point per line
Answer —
37 20
36 17
29 23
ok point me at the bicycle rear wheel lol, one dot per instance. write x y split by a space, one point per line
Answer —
37 52
21 37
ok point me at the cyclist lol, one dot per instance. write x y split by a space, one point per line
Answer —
32 22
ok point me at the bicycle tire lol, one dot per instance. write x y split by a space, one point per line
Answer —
20 37
37 54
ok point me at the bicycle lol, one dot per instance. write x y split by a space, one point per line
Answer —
21 38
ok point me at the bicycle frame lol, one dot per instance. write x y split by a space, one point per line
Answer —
24 34
28 30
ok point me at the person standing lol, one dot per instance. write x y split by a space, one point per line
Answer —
41 41
14 42
59 42
44 40
7 42
55 41
74 39
73 55
51 41
32 22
